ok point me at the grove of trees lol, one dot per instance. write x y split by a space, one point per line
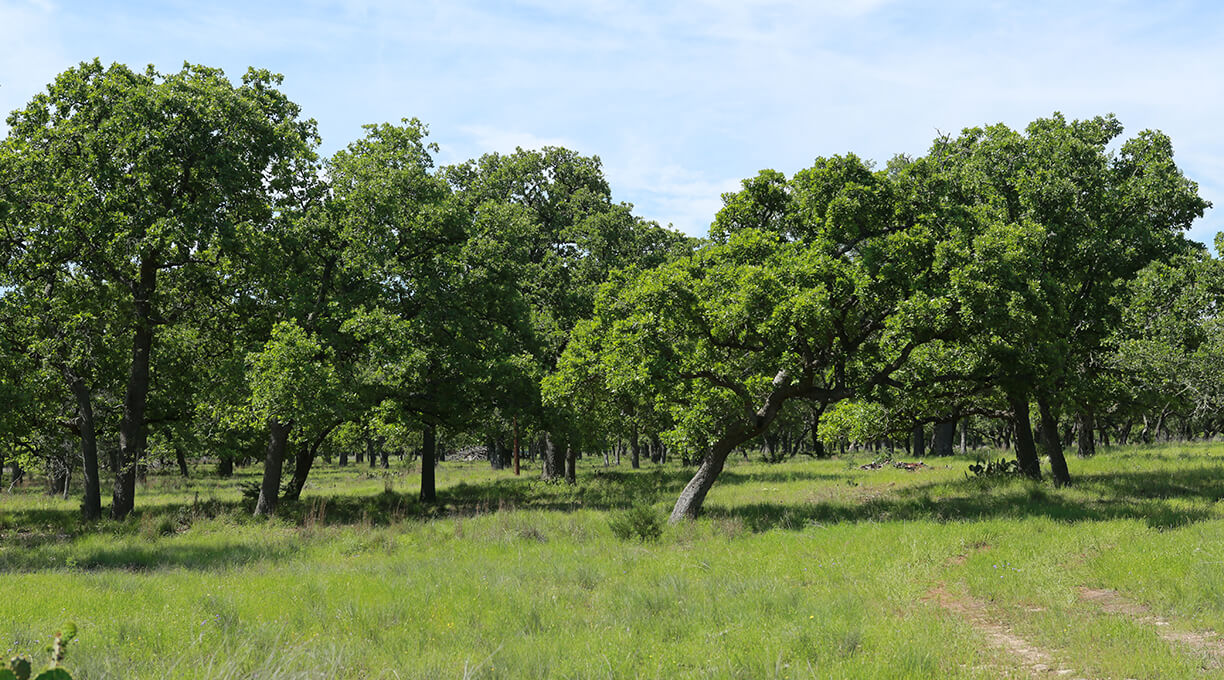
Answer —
183 277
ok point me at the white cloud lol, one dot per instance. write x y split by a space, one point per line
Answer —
487 139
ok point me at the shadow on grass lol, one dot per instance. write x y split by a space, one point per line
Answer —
1141 496
42 538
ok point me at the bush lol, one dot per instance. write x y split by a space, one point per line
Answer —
641 521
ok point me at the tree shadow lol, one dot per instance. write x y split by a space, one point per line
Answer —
1143 496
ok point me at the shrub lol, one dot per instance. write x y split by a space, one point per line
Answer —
641 521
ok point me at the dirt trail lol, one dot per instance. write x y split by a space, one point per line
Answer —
1113 602
1038 662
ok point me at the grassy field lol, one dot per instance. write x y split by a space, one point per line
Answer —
798 570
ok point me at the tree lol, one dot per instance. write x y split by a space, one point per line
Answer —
576 236
820 287
442 331
140 179
1065 222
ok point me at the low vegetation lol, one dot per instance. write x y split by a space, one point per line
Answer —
797 570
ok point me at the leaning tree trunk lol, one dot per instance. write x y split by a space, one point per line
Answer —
1051 444
429 451
91 508
1085 436
688 506
274 462
1026 451
132 428
304 459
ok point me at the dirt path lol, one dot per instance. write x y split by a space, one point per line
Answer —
1113 602
1038 662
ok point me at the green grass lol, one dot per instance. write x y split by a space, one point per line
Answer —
798 570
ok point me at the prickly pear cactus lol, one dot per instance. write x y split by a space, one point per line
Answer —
19 667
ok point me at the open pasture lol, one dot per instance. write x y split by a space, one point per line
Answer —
796 570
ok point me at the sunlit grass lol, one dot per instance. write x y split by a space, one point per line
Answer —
801 569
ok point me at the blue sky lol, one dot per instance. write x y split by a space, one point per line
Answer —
680 99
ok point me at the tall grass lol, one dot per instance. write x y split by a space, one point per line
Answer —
798 570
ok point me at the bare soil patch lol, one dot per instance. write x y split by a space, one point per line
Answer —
1111 601
1038 662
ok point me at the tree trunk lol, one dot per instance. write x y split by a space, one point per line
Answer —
495 458
554 457
964 435
945 434
818 448
304 460
343 462
918 441
225 466
181 459
1051 443
571 464
429 451
274 461
132 428
1026 451
635 448
688 506
1087 428
91 508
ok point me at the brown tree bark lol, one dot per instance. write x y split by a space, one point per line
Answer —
688 506
1051 444
429 452
918 441
274 460
635 448
1086 436
133 430
181 459
554 457
571 464
91 508
1026 450
945 434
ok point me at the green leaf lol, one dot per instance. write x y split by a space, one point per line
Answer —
53 674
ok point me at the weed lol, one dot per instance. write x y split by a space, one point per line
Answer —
641 521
